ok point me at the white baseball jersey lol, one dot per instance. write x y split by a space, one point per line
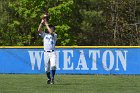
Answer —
49 41
49 45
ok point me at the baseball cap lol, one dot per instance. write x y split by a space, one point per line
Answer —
52 26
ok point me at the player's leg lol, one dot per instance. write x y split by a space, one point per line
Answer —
53 65
47 66
48 70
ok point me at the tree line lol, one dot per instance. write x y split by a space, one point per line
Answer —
78 22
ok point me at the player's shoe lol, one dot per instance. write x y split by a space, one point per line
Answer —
49 81
52 81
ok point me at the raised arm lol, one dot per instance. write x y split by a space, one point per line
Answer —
40 26
48 28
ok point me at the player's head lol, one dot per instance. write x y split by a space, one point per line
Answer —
52 27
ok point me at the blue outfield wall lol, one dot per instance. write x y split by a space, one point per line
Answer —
72 60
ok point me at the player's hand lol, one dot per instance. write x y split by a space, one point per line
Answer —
45 21
42 21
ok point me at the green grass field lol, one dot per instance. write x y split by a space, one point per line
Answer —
13 83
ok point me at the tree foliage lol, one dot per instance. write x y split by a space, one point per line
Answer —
78 22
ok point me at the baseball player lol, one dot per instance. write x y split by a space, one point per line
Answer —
49 39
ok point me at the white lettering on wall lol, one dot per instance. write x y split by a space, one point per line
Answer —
78 60
123 59
95 54
111 60
82 62
68 65
35 56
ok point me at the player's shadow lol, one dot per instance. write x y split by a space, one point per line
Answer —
66 84
63 84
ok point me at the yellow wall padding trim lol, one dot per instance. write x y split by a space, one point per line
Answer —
72 46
